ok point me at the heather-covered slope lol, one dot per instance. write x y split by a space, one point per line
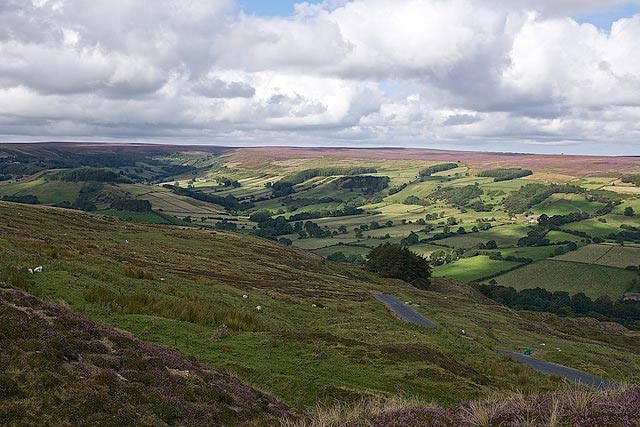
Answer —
619 407
57 368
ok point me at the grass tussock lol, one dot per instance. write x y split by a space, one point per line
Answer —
354 414
137 273
573 405
197 312
15 276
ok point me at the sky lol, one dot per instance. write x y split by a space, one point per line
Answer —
542 76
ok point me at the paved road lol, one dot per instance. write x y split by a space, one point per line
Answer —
549 368
405 312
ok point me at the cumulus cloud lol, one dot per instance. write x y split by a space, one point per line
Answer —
385 72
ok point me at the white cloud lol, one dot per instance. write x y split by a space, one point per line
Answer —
387 72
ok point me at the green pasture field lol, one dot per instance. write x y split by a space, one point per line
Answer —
469 269
48 192
595 228
345 249
563 204
572 277
606 254
504 235
556 236
535 253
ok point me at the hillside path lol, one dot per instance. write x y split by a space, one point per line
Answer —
571 374
405 312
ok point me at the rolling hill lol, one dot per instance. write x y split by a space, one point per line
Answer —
318 335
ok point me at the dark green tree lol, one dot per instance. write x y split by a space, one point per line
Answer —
398 262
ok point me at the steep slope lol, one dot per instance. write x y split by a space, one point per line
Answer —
319 333
57 368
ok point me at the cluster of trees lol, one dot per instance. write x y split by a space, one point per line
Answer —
307 174
563 304
28 199
226 225
366 183
558 220
498 256
226 182
437 168
632 179
311 229
536 237
398 188
341 257
411 239
294 204
131 205
480 206
229 201
270 228
441 256
628 211
505 174
281 189
345 211
458 196
398 262
532 194
415 200
87 174
632 235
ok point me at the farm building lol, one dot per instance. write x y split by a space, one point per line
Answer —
632 296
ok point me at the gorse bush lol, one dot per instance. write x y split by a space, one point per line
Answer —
197 312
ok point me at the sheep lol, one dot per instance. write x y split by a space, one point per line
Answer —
463 332
38 269
313 305
245 296
30 270
259 308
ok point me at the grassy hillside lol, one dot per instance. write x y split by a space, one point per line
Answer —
319 335
61 369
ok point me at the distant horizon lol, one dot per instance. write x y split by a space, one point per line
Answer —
303 147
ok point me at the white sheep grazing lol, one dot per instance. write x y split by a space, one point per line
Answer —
313 305
259 308
463 332
245 296
30 270
38 269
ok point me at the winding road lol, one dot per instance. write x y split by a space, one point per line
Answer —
405 312
573 375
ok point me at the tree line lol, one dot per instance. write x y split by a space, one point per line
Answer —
563 304
505 174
